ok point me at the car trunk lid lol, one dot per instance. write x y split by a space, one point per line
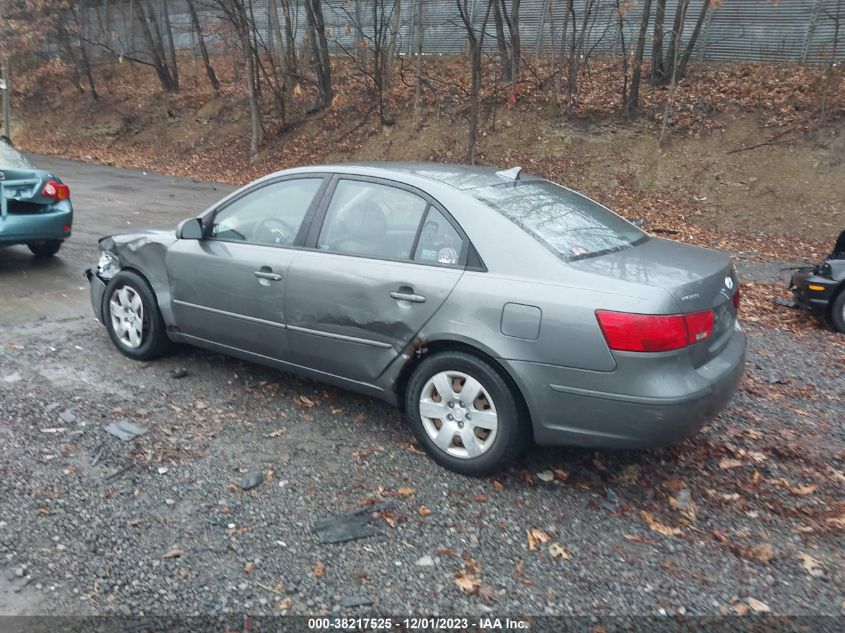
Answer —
20 191
698 279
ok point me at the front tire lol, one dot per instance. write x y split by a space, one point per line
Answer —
837 311
465 414
45 248
132 317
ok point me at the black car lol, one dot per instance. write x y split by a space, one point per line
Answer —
822 287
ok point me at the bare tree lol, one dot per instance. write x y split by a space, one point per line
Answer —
152 36
235 12
209 69
633 103
699 23
320 51
476 42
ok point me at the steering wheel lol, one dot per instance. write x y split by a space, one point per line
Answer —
273 231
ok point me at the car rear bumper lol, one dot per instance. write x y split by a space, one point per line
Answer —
33 227
644 403
812 291
97 290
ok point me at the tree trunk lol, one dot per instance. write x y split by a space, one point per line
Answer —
682 64
257 131
516 49
171 48
658 67
290 41
504 56
154 44
391 48
320 48
209 69
476 42
634 96
418 73
675 40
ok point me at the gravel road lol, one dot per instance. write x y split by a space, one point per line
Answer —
746 517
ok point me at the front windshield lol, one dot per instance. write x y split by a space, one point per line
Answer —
10 158
569 224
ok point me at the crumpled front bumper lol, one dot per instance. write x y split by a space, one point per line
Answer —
812 291
97 290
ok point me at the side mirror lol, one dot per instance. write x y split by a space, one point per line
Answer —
190 229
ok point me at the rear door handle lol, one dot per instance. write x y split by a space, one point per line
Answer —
261 274
407 296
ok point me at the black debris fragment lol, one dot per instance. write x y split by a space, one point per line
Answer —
348 527
252 480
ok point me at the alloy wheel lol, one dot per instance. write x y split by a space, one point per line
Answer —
127 316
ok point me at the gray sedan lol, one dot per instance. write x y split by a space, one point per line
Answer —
492 306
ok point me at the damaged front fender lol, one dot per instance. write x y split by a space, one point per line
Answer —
143 252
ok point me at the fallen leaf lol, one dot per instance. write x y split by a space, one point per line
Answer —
764 552
655 525
837 522
559 551
536 536
481 498
466 582
804 490
487 593
424 511
308 402
560 474
758 606
740 608
249 567
174 553
546 475
674 485
498 485
638 538
277 432
405 491
812 565
336 410
319 569
727 462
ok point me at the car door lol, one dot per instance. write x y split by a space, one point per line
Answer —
380 261
228 288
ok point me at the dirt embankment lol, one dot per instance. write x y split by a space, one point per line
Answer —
742 169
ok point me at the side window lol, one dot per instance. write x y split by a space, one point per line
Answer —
366 218
439 242
270 215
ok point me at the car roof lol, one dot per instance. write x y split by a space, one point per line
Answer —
457 176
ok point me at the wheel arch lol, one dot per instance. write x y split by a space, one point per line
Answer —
422 348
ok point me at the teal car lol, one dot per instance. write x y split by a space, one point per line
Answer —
35 207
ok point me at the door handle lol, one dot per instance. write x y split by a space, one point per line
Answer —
261 274
407 296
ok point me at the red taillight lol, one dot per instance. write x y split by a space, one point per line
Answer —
55 190
625 332
736 299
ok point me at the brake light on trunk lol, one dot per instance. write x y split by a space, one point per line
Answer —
627 332
55 190
735 299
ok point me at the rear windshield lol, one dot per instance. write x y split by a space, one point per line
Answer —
567 223
10 158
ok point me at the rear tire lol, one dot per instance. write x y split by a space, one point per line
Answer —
45 248
478 427
837 311
132 318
